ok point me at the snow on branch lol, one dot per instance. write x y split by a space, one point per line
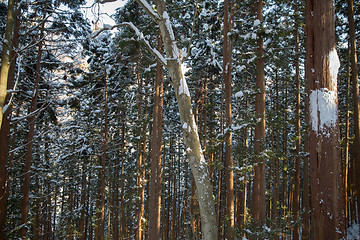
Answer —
139 34
105 1
146 6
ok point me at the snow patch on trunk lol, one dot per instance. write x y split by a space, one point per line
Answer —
323 109
334 65
183 87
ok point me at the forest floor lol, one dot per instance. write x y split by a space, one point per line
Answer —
353 232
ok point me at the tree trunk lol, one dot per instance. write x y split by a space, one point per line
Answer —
156 143
100 225
327 193
296 195
123 226
32 120
259 138
229 172
190 132
5 131
355 93
5 63
140 180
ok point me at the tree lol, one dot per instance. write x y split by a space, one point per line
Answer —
322 61
156 143
229 174
5 59
355 90
194 152
259 138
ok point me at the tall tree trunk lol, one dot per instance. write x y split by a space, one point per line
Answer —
123 226
305 196
82 225
156 143
5 130
5 63
229 172
346 165
296 195
327 193
190 131
355 93
259 138
32 120
140 180
100 226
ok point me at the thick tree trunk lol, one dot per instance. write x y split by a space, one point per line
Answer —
5 63
259 138
327 193
5 131
155 177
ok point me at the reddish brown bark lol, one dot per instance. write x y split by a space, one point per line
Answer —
155 177
229 172
259 138
5 131
327 193
99 229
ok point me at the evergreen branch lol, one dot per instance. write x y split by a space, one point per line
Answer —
140 35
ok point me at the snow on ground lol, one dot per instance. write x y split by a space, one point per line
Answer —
353 232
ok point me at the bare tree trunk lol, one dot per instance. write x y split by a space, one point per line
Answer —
259 138
327 193
155 177
5 62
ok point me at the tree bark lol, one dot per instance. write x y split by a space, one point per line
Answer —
259 138
229 172
99 229
5 131
156 143
5 62
327 193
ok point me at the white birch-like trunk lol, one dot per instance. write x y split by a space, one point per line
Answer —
194 152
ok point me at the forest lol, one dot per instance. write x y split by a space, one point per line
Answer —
185 120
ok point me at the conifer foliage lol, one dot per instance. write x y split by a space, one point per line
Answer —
185 120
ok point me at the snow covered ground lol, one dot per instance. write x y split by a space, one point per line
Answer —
353 232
